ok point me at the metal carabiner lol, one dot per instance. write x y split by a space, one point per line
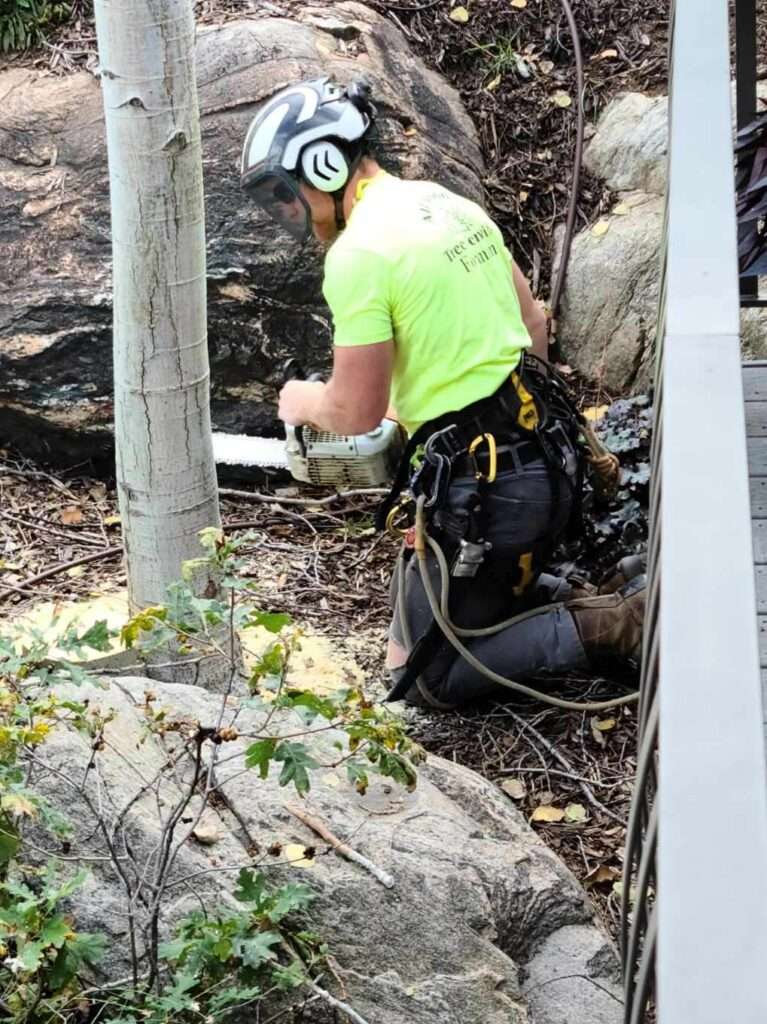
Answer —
442 467
394 511
492 449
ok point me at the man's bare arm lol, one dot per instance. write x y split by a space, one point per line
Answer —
353 401
532 314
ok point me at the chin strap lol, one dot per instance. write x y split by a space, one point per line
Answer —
338 200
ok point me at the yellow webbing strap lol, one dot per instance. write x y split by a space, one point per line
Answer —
527 418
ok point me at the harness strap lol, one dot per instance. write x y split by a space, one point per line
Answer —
457 430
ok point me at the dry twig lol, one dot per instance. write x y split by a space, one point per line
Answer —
341 847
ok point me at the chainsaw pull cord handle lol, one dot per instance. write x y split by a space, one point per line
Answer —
452 632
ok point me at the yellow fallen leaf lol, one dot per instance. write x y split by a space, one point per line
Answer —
494 84
523 196
294 852
621 209
600 228
602 873
76 571
10 566
515 788
598 734
546 67
519 4
561 99
605 724
575 812
608 53
594 413
71 514
112 521
547 813
459 14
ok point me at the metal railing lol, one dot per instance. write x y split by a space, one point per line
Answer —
695 883
746 107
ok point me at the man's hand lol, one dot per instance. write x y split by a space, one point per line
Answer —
299 401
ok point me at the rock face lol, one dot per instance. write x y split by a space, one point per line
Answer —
263 294
609 305
629 147
483 924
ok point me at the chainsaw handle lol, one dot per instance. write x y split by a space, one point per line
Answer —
292 369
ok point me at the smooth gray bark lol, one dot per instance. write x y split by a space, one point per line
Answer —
165 470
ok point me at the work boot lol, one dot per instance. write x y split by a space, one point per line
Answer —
617 576
611 624
621 573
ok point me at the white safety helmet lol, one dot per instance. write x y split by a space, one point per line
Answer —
311 132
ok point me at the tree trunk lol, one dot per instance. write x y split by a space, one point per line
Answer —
166 474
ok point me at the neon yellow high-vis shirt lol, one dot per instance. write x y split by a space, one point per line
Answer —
429 269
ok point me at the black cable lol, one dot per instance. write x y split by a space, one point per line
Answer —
556 292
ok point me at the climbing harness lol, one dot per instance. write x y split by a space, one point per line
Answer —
530 418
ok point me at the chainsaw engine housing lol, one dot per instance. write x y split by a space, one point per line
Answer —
338 460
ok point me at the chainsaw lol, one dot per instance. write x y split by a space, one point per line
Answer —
318 456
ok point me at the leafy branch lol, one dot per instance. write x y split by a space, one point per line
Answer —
257 946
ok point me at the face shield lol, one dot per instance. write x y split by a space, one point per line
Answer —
279 195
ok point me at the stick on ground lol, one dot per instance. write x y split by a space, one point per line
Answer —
341 847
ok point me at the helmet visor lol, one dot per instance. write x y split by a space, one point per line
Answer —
280 197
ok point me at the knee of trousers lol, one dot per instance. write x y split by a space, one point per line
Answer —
543 644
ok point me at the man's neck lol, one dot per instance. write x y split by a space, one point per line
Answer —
367 170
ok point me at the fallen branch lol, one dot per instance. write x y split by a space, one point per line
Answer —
584 786
579 977
341 847
326 997
61 567
227 492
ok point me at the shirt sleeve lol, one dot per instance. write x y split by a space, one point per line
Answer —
356 287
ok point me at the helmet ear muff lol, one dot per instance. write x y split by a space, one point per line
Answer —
324 166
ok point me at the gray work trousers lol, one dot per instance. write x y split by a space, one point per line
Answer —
526 510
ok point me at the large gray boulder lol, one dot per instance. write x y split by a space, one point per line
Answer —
609 309
610 303
263 294
630 144
483 923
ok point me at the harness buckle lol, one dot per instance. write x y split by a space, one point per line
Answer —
470 557
492 449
